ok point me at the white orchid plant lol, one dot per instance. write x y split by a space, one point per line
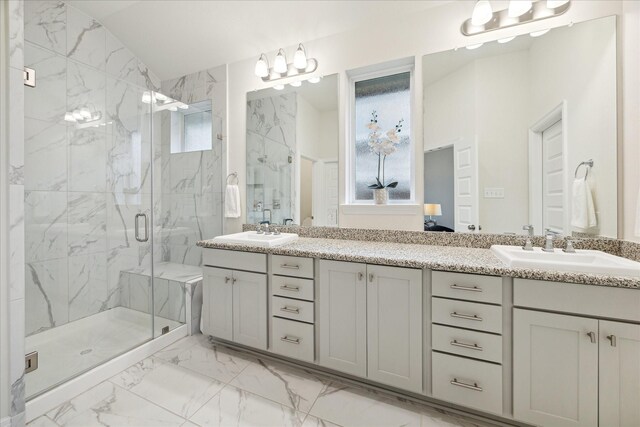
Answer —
383 145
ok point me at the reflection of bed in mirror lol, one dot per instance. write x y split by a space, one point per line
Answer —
506 125
292 154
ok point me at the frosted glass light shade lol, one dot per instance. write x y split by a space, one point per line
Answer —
300 58
519 7
482 13
262 67
552 4
432 209
280 63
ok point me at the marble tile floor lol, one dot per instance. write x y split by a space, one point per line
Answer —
75 347
195 383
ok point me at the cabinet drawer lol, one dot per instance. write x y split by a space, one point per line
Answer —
472 315
292 309
467 382
292 287
292 266
479 345
235 260
473 287
293 339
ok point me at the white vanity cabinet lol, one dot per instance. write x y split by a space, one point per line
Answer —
235 301
371 322
573 369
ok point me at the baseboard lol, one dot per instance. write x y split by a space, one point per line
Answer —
43 403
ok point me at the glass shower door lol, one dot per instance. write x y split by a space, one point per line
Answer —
88 198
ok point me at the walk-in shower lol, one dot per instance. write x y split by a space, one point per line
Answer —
112 212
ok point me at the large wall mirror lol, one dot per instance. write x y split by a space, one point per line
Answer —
292 154
522 132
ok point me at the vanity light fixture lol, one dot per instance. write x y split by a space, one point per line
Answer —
519 12
518 8
280 63
482 12
506 39
300 58
539 33
278 87
474 46
315 79
301 65
296 84
552 4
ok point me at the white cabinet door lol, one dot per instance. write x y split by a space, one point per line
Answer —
394 326
555 369
343 317
217 305
619 374
250 309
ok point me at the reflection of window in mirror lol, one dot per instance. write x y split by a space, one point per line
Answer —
191 128
381 139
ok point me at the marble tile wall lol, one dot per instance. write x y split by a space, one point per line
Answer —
192 182
271 140
83 184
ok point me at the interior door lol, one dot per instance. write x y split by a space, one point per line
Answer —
619 374
466 185
553 178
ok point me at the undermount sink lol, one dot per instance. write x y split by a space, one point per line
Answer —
253 238
582 261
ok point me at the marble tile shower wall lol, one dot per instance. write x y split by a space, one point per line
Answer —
271 141
83 186
192 182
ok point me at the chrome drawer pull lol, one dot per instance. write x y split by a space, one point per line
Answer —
290 267
295 310
467 316
613 339
465 345
466 288
290 288
473 386
291 340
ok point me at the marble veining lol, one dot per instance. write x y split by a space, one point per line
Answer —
446 258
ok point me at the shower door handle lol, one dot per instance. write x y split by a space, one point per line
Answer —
146 228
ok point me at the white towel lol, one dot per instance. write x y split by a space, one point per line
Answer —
232 202
583 212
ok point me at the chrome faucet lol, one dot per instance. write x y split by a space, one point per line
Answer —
569 248
548 242
286 220
528 228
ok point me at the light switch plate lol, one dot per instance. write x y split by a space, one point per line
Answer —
493 193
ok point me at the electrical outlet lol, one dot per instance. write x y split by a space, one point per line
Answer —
493 193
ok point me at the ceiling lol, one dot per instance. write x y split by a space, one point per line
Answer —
179 37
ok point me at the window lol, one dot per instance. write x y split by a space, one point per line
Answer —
381 136
191 129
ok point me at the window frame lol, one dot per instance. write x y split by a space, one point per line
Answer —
351 140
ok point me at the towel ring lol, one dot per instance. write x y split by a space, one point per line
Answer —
588 164
233 175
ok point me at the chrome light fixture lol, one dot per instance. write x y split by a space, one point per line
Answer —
281 69
519 12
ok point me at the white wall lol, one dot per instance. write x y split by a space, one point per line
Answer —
431 31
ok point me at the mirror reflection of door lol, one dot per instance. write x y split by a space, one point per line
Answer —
306 191
552 178
439 186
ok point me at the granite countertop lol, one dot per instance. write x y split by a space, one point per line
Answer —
445 258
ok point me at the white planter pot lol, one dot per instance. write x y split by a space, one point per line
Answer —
381 196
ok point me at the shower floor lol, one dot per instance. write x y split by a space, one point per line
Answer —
71 349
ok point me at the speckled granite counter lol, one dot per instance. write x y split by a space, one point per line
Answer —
446 258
